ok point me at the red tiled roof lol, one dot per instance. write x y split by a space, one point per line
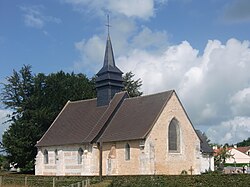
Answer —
243 149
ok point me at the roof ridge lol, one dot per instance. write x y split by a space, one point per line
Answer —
123 94
154 94
83 100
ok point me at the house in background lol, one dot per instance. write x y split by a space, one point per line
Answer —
245 150
238 162
238 157
117 135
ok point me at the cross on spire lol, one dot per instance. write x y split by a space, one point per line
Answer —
108 25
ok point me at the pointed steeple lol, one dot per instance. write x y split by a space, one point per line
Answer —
109 60
109 79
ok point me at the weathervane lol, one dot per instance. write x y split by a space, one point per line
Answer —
108 25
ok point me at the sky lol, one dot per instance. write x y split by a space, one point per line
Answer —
199 48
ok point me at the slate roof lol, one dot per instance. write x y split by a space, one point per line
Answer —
106 117
205 148
109 61
75 122
135 118
123 119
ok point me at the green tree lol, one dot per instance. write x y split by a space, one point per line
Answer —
132 86
35 101
220 157
244 143
4 165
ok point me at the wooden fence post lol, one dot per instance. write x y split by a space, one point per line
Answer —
88 181
54 182
26 181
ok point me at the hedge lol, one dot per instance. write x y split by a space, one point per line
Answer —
210 180
182 181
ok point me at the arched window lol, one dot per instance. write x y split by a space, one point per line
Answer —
46 156
127 152
80 153
174 136
56 156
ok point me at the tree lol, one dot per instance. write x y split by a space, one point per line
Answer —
244 143
36 100
220 157
132 86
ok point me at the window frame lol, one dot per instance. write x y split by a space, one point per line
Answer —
79 156
45 156
127 152
56 156
174 146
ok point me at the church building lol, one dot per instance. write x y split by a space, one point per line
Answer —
114 134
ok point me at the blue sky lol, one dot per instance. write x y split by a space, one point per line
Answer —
199 48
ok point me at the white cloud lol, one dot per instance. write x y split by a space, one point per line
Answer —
142 9
160 72
33 17
92 50
91 54
136 8
240 102
231 131
147 39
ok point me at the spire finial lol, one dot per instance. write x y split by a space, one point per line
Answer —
108 25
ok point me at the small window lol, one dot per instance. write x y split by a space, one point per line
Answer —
46 156
56 156
174 136
80 153
127 152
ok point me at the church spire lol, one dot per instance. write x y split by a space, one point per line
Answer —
109 79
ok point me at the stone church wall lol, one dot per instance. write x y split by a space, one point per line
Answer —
154 157
116 164
66 161
173 163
